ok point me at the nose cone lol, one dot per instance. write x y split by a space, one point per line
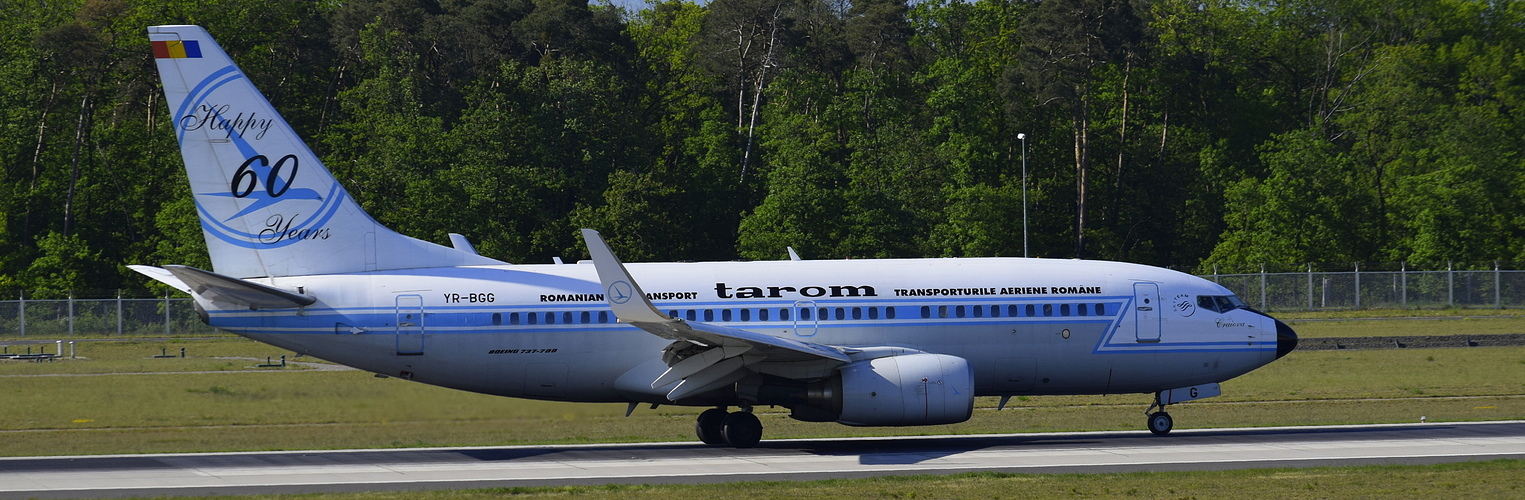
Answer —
1286 339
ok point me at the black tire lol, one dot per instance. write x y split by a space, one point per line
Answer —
710 425
1160 423
742 429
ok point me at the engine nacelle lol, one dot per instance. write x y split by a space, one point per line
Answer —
913 389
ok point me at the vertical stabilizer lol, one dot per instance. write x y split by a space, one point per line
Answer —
267 206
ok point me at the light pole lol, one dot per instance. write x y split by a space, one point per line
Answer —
1023 138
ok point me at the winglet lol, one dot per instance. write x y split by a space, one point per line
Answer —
625 297
459 242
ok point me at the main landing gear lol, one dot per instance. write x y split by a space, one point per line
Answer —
718 427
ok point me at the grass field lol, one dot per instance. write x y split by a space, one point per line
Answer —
183 405
117 399
1385 327
1495 479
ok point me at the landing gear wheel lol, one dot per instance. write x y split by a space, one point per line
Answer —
709 426
742 429
1160 423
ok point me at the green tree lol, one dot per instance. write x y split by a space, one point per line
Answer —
1069 44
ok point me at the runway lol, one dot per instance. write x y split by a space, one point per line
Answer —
1087 452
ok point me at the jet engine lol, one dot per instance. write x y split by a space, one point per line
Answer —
911 389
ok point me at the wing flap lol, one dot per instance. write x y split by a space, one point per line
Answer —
692 365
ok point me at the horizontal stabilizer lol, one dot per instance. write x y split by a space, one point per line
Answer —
229 290
163 276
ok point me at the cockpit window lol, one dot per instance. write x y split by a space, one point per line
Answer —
1219 303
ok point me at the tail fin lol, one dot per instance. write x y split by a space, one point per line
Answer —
267 206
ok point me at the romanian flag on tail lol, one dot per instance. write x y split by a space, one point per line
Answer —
176 49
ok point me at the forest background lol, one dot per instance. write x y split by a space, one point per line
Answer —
1166 132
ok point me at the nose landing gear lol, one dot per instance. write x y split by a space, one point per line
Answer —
1160 423
718 427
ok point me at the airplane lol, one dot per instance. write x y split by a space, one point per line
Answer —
296 263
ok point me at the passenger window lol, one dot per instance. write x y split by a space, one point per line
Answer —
979 311
587 317
873 313
1064 309
725 315
841 314
746 315
762 314
959 311
889 312
566 317
942 311
672 313
513 318
804 314
825 315
532 317
995 311
1101 309
1011 310
1083 311
857 313
603 316
709 315
497 319
1048 309
783 315
926 311
1030 312
550 318
690 315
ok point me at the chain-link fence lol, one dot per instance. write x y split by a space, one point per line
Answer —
121 313
1377 287
1273 288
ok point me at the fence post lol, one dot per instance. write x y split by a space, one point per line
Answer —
1263 287
119 312
21 311
1310 286
1450 285
71 313
1403 287
1358 285
1497 303
166 314
1215 274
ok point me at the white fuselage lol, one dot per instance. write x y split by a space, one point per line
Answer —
1027 326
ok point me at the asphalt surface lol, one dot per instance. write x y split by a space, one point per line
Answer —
420 469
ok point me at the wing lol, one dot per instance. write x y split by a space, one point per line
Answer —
704 357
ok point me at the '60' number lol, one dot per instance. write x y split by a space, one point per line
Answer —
245 179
